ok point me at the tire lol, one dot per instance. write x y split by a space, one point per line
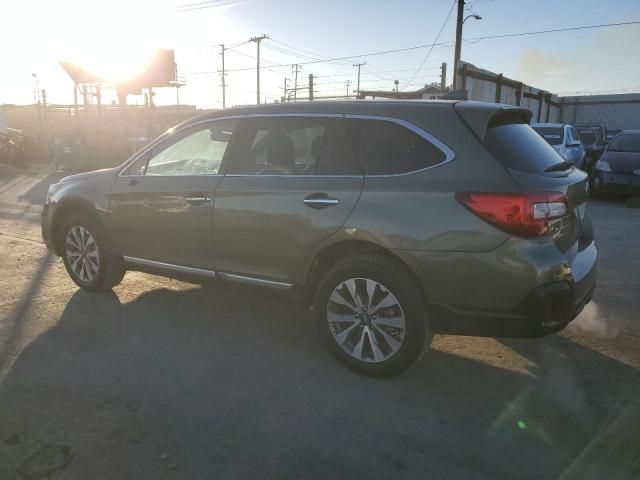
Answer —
367 335
103 267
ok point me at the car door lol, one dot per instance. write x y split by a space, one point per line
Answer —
162 205
289 184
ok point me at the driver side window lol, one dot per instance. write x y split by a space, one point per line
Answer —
197 151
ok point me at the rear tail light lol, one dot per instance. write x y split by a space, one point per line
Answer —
520 214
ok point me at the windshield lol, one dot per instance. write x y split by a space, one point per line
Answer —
587 136
627 142
553 135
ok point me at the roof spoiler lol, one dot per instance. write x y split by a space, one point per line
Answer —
480 116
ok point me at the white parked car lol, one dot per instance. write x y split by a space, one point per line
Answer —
565 140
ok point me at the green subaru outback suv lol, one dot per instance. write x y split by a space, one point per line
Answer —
394 220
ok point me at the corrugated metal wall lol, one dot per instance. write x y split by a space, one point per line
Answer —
616 112
484 89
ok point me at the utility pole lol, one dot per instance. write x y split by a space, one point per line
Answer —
284 95
257 40
310 87
358 65
456 58
224 87
295 84
443 76
348 84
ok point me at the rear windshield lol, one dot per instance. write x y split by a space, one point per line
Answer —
518 147
553 136
627 142
587 136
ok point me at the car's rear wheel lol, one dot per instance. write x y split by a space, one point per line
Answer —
88 255
371 314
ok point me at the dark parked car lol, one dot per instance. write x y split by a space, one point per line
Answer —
618 170
593 150
392 219
611 134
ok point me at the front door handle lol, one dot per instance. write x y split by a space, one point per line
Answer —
197 198
320 200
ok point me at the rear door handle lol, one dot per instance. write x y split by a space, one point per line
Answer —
197 198
320 200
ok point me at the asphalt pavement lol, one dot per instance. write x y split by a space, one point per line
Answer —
166 380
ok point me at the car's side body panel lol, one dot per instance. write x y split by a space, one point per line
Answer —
263 228
167 219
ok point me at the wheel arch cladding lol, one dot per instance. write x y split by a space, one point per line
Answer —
66 208
330 254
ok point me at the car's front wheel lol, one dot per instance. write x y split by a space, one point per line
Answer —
88 255
371 315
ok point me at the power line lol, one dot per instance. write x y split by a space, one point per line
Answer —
298 55
371 80
566 29
205 5
329 60
453 4
445 44
208 2
298 49
374 73
580 92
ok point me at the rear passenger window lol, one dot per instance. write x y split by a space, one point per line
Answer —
292 146
387 148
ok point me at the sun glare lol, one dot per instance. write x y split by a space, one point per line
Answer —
116 47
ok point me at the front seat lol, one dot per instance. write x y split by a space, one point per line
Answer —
280 154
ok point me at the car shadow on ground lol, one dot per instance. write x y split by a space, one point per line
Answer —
213 383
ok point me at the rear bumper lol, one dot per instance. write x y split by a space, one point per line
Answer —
521 289
616 183
546 310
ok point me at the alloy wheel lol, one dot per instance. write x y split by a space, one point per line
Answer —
82 253
366 320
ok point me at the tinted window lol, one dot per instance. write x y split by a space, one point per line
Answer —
292 146
573 136
553 135
625 142
386 148
587 136
519 147
194 151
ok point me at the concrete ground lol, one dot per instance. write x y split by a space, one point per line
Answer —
167 380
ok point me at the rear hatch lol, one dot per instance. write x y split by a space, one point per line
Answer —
539 170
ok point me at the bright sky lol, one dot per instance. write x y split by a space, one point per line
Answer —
111 37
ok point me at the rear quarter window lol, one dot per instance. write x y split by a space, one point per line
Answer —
518 147
383 147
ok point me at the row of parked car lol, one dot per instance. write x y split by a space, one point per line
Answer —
610 157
